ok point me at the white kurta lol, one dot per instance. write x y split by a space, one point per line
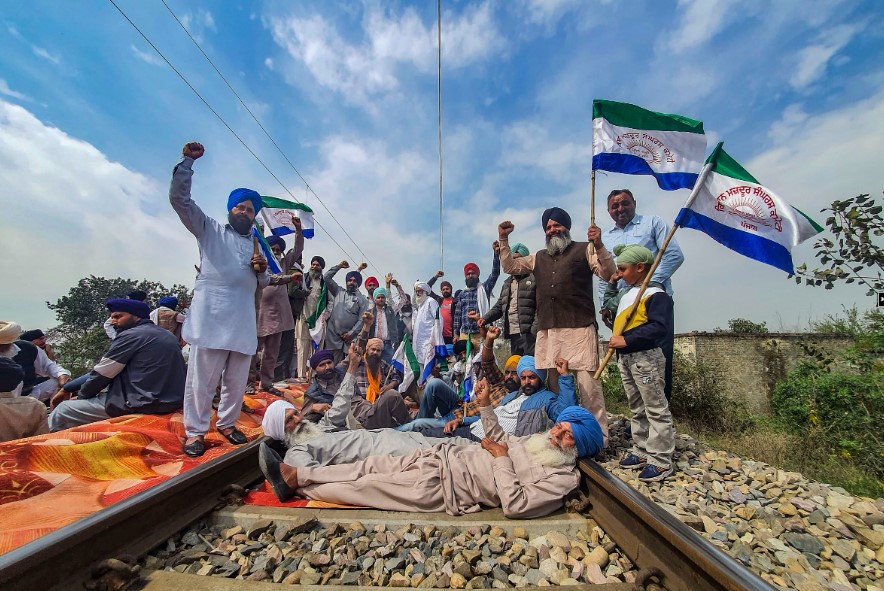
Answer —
222 314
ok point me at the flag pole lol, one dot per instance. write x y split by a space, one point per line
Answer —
698 185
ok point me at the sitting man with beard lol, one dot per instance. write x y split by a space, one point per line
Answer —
143 372
566 322
388 409
530 409
526 476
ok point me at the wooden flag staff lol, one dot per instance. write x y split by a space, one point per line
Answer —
701 180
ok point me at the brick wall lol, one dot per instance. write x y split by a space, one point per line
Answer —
752 364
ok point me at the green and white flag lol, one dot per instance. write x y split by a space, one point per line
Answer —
277 214
735 210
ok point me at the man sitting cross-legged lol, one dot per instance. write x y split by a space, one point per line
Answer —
143 371
525 476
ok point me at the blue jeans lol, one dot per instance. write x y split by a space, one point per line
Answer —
416 424
438 397
75 384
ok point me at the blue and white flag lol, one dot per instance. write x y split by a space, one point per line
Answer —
278 215
632 140
434 350
735 210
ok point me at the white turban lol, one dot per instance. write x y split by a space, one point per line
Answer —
9 332
274 419
422 285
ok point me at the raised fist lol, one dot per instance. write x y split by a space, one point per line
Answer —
193 150
505 228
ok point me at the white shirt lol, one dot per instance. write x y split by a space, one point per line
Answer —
507 415
222 313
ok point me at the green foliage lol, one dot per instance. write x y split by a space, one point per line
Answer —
697 398
854 254
838 413
743 326
82 312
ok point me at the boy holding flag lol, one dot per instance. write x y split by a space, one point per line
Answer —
638 339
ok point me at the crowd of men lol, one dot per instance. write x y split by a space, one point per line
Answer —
363 435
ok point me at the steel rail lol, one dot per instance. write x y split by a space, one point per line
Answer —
650 536
653 538
62 559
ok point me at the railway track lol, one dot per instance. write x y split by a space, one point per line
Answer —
667 554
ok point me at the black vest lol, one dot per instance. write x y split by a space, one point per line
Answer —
26 358
564 289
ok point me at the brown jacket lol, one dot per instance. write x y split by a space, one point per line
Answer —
21 416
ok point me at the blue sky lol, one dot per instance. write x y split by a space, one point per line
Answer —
92 121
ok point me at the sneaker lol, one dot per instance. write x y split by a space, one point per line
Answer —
633 461
653 473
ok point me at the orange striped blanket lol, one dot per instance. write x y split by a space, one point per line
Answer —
50 481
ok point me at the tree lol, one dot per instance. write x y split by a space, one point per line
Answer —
856 254
81 314
743 326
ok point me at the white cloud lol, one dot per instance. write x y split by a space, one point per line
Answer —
702 21
41 52
4 89
75 212
361 71
547 12
814 59
150 58
268 63
528 144
198 23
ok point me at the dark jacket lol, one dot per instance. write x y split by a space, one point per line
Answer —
26 358
526 307
394 331
144 370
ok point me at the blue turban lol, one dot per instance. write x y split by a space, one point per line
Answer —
169 302
320 356
520 248
133 307
237 196
355 275
527 362
585 428
276 241
381 291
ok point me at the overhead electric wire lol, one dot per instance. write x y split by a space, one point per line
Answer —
232 131
267 133
441 227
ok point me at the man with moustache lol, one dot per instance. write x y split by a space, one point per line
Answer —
221 326
517 306
347 309
566 324
446 306
275 310
645 230
474 298
525 476
314 308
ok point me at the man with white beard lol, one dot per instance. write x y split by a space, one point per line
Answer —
423 323
526 476
566 323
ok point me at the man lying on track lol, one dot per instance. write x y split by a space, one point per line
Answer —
529 476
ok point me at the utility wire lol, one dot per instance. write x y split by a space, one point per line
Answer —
267 133
221 119
441 227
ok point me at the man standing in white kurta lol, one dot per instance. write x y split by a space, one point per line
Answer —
221 325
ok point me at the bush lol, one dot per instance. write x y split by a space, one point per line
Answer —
696 397
837 411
